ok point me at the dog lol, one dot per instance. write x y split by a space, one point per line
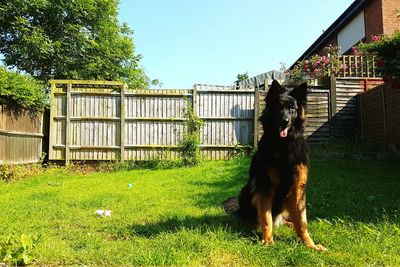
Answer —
275 192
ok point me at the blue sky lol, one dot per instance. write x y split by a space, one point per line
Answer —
211 41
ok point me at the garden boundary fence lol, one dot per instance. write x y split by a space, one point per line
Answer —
21 135
380 116
98 120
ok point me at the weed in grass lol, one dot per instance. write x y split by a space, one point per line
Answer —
17 250
12 173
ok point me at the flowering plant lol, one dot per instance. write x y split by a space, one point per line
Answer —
318 67
387 50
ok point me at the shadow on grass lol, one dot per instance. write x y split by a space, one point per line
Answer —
365 191
202 225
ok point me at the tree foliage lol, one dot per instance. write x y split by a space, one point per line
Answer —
20 90
69 39
242 77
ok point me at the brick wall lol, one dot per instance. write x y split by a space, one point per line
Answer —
373 19
391 21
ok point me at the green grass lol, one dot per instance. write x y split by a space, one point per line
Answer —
174 217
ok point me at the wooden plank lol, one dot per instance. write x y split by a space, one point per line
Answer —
52 129
68 124
122 123
21 134
86 82
382 91
225 91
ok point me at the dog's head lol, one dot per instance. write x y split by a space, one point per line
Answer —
285 112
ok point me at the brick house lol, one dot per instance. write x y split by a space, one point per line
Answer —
358 22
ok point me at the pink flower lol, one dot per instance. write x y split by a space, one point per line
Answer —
326 61
316 71
343 66
306 61
317 63
375 38
354 50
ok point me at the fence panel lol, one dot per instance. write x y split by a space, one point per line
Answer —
85 120
21 136
228 117
345 112
87 124
154 123
357 66
380 117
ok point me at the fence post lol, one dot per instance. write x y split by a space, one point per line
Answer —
122 123
384 112
361 116
68 123
333 104
256 115
52 134
194 99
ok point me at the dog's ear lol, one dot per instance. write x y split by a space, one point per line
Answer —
300 94
275 90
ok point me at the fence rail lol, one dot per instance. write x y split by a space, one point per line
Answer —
21 136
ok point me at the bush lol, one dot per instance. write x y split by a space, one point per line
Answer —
317 67
11 173
387 49
189 146
21 91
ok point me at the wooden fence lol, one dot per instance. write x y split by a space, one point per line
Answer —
107 121
357 66
380 116
21 134
332 109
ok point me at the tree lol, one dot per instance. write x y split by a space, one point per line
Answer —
69 39
242 77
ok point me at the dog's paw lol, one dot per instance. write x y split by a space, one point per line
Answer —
319 248
267 242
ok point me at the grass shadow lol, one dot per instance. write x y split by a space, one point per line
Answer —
365 191
175 224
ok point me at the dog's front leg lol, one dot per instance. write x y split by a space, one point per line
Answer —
264 205
297 208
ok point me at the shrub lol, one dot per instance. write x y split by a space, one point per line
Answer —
387 49
18 90
10 173
317 67
189 146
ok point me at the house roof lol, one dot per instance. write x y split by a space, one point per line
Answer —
337 25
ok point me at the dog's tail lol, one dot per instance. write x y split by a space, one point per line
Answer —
231 205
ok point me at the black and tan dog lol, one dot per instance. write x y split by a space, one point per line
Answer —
275 191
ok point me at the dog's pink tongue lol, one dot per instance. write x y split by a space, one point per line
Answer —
283 133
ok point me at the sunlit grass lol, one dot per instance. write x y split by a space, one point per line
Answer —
174 217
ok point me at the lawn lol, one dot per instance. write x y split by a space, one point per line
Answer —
174 216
